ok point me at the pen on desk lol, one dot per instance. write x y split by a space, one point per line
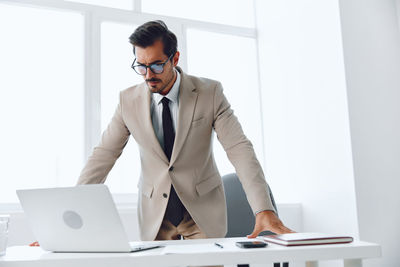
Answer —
219 245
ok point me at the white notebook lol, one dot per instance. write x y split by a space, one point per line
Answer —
301 239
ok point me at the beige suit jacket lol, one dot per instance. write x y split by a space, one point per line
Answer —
192 170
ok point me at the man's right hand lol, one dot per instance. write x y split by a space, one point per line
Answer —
34 244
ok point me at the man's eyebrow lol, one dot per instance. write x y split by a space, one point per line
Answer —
154 62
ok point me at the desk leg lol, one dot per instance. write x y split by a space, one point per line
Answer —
311 263
352 263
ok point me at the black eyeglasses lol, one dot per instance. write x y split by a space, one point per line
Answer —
156 68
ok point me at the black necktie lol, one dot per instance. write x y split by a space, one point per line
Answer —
175 208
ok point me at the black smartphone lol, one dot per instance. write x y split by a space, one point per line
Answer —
251 244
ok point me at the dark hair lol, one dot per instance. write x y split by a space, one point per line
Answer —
146 34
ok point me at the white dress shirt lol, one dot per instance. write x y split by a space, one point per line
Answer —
156 109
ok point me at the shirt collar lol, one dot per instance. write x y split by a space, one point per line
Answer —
173 94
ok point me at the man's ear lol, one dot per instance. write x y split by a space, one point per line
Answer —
175 59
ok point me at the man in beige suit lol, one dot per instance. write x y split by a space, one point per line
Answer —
172 116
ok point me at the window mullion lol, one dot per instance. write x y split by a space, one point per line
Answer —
183 48
137 5
92 82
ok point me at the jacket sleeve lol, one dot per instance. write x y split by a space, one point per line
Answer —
240 153
104 155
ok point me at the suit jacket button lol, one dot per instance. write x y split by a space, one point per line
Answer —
165 195
171 168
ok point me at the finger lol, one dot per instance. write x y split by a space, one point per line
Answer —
255 232
281 230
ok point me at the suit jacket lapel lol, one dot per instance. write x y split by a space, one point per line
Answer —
187 103
142 104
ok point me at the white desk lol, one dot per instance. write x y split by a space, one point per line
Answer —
352 254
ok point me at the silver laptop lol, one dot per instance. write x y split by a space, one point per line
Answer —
76 219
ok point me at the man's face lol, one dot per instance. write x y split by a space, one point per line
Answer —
157 83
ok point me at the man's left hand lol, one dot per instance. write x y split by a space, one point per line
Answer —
268 221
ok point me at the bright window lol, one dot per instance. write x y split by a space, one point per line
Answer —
47 48
232 12
120 4
41 99
232 60
117 75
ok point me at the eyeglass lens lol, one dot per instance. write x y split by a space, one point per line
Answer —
155 68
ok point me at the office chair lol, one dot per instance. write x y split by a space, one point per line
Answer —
240 216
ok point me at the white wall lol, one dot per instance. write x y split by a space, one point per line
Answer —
308 148
371 41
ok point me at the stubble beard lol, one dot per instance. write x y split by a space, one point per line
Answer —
159 91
